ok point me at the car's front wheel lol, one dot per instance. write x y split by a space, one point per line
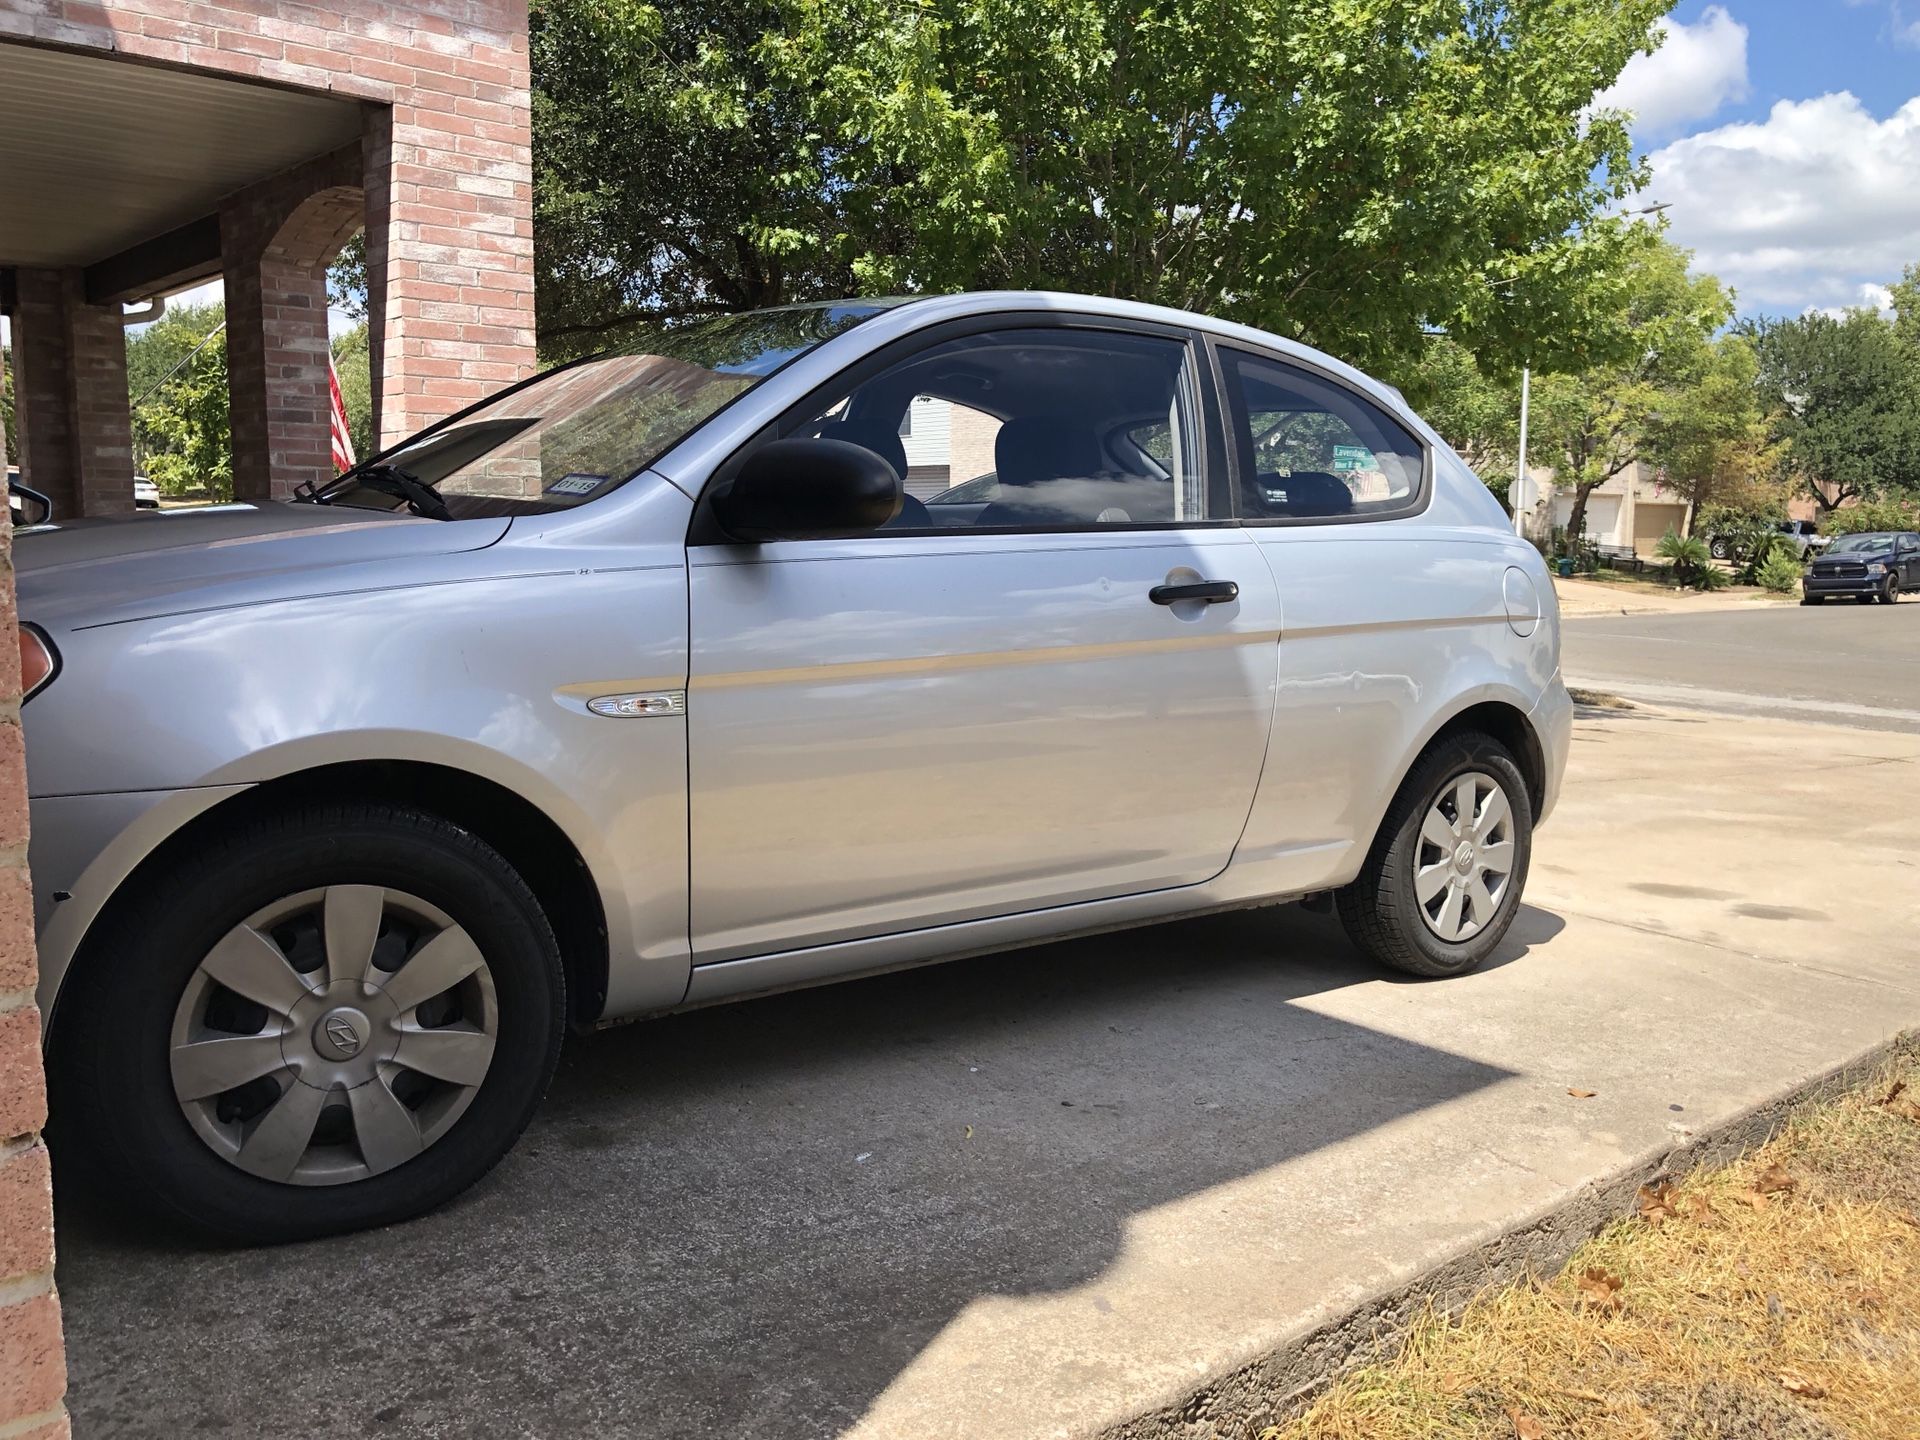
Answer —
1890 592
329 1019
1443 879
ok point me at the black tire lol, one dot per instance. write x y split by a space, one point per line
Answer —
1718 549
114 1105
1379 909
1813 599
1890 592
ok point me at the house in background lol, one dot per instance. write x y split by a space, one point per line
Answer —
947 445
1630 511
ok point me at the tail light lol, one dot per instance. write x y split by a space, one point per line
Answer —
39 662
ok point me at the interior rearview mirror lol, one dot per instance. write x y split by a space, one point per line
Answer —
808 490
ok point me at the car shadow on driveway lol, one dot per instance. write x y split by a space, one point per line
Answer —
756 1216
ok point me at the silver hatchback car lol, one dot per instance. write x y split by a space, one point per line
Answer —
656 681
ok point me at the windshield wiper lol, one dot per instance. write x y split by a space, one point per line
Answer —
418 496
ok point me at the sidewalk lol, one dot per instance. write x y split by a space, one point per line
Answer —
1580 598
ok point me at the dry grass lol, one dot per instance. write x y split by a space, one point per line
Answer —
1598 699
1777 1299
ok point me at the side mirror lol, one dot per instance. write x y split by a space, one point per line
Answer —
29 507
808 490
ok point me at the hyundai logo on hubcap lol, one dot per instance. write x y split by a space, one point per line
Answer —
341 1034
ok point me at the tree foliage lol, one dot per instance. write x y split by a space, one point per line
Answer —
1712 443
1342 171
1593 424
1844 395
353 364
177 383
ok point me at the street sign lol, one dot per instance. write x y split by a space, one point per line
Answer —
1353 457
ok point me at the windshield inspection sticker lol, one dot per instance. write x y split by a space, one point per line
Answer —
576 484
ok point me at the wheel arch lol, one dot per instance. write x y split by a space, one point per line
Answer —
526 837
1491 710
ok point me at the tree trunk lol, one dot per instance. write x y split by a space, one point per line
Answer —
1577 517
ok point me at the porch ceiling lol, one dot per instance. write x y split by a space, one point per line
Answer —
99 154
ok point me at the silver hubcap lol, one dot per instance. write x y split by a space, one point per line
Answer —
333 1035
1464 861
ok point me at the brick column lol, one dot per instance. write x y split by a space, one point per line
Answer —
449 182
276 239
76 431
33 1365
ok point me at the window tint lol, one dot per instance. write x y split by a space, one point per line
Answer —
1310 449
1035 430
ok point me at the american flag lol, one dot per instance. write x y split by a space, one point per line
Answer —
342 439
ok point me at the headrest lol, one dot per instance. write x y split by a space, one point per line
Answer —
1036 449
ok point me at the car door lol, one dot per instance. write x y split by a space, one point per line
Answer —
1906 553
940 722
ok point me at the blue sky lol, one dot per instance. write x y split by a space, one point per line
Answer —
1785 134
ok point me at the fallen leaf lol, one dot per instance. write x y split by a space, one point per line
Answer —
1697 1207
1894 1094
1772 1180
1525 1427
1599 1290
1801 1386
1656 1202
1582 1094
1754 1198
969 1132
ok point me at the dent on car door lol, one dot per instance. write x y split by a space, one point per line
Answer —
947 721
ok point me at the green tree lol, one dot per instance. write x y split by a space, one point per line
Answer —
1906 310
1343 171
7 428
676 170
1594 424
1712 442
1477 414
352 363
1844 395
177 385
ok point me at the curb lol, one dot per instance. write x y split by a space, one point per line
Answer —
1280 1384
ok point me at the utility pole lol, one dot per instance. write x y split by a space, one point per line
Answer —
1520 470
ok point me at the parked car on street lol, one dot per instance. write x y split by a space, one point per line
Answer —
645 685
146 494
1803 535
1878 565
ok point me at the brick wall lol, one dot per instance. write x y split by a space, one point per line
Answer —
71 364
447 164
33 1370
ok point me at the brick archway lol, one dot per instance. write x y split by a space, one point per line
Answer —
277 240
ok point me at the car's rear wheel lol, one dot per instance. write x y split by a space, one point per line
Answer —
1443 879
1718 548
335 1018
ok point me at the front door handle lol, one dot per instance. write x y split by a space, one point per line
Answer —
1211 592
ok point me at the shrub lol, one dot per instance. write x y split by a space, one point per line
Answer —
1779 572
1692 564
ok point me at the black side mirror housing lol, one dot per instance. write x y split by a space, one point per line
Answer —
808 490
28 506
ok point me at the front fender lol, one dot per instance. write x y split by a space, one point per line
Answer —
488 675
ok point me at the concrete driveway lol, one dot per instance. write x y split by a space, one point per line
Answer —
1043 1193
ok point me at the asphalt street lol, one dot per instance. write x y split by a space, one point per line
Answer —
1841 663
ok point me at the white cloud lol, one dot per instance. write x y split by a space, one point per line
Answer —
1697 69
1802 209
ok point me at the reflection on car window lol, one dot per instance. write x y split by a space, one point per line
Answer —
1316 450
581 431
1035 429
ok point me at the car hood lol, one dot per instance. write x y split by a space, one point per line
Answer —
128 567
1855 557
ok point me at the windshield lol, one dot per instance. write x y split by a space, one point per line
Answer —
578 432
1860 542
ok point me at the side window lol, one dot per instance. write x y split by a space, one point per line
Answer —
1313 450
1041 429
